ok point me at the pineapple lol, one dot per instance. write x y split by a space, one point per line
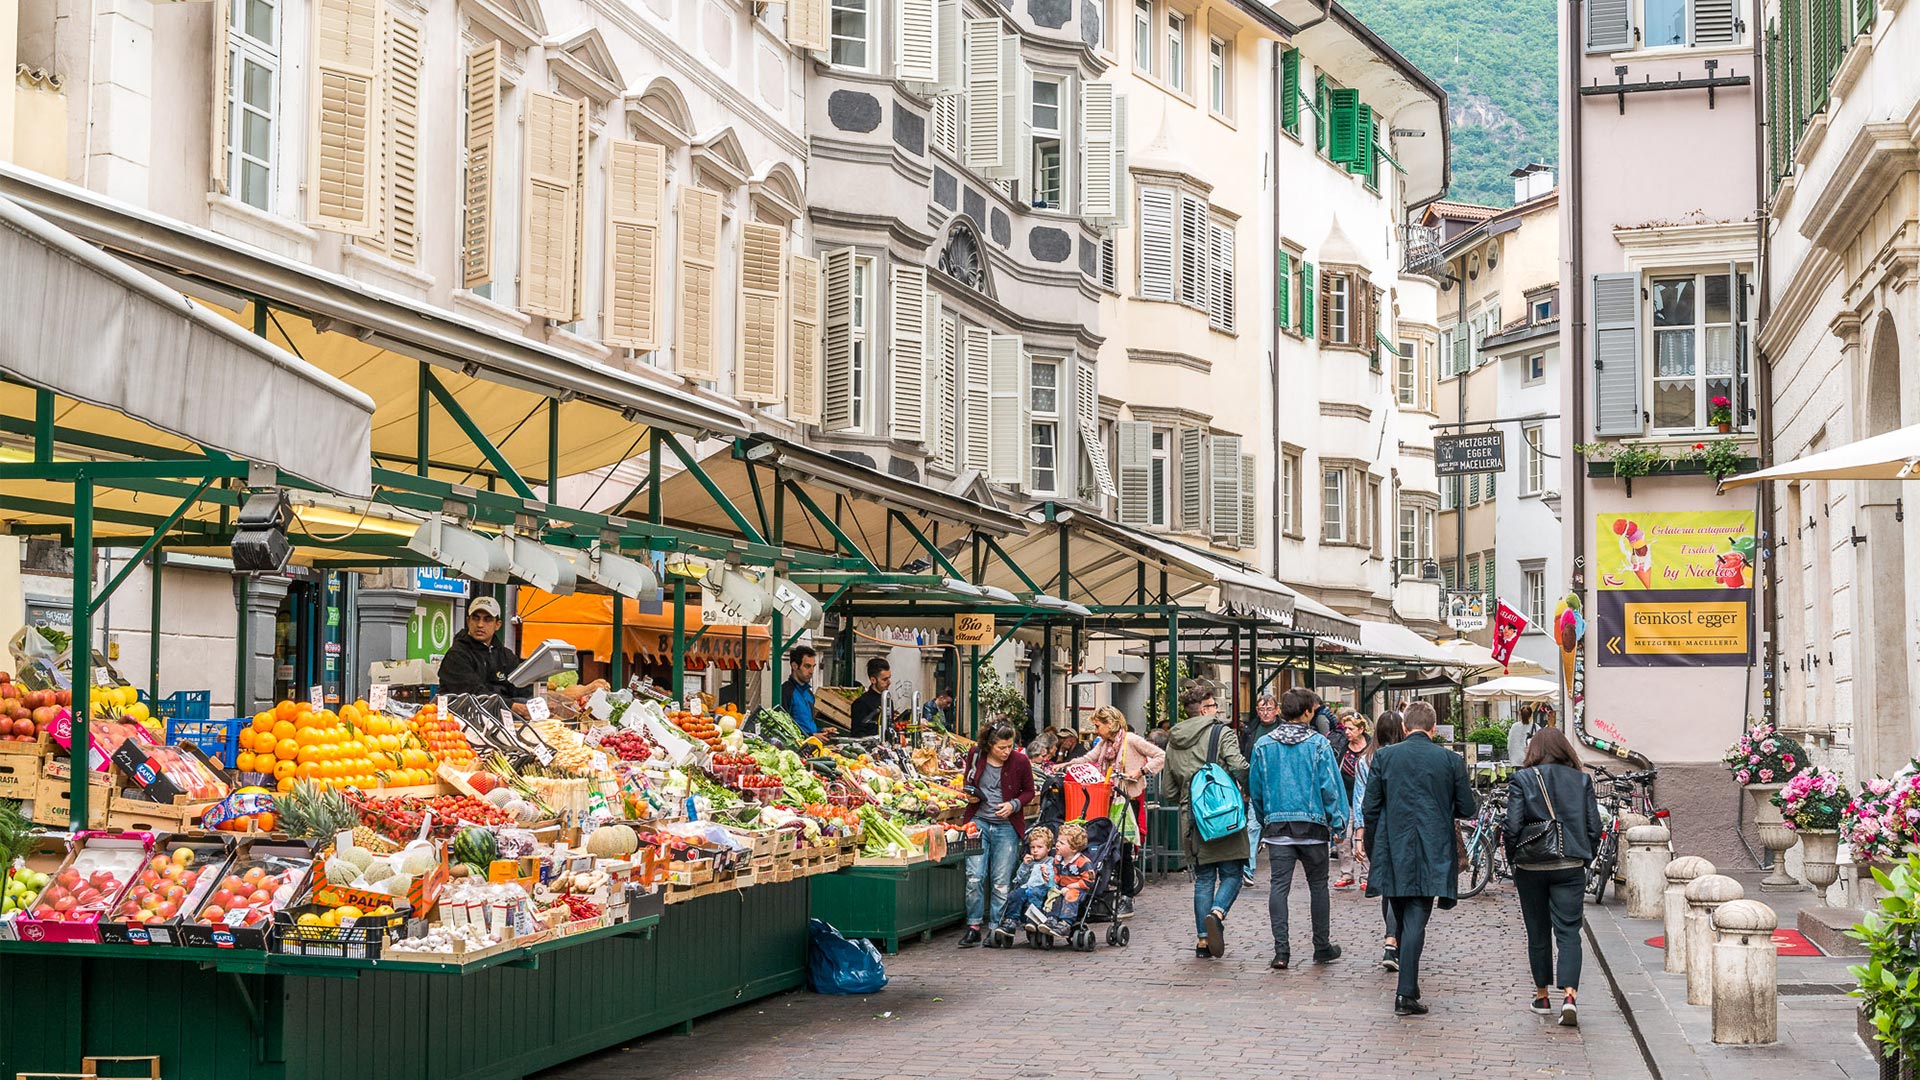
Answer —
372 841
311 812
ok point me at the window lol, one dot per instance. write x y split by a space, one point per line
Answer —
1473 489
1177 51
1143 35
1536 369
1406 383
1534 584
1534 477
1473 573
1109 253
1697 332
1427 518
1545 308
1160 477
1370 525
1290 494
253 69
1333 505
850 33
1218 85
1339 309
1448 575
1045 399
860 378
1407 540
1670 22
1451 488
1487 565
1290 92
1049 174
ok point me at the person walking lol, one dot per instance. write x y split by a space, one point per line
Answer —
1127 760
1204 739
1416 791
1000 787
1552 789
1266 717
1296 792
1387 730
1353 741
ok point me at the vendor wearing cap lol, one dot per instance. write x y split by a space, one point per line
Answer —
476 662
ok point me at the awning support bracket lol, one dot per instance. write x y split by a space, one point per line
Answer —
159 533
478 438
840 538
921 539
993 547
43 426
1004 638
712 489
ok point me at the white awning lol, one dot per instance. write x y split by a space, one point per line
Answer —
1391 641
1314 617
91 328
1474 659
1513 688
1894 455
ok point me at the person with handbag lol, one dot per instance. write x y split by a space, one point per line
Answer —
1127 760
1553 828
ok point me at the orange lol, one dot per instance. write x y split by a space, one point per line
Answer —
306 736
263 722
308 770
285 710
285 785
244 762
283 729
286 750
246 738
284 770
308 754
263 822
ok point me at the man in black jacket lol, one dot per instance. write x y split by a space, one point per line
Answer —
868 711
476 662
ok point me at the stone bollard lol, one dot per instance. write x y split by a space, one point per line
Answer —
1673 909
1745 969
1705 895
1645 866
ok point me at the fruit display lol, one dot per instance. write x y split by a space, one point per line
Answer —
83 890
176 879
123 703
400 758
22 886
444 737
25 713
700 726
311 812
292 742
402 816
260 880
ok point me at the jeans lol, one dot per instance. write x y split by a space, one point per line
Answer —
1280 861
1411 912
990 872
1015 908
1387 916
1215 885
1253 846
1551 906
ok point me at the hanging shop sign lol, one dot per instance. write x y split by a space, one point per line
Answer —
430 629
1675 589
1466 609
435 580
972 630
1481 452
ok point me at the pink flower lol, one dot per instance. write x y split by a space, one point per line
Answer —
1789 824
1787 760
1753 759
1766 776
1741 776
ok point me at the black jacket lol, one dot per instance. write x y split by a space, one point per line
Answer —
1573 801
472 668
1416 788
865 713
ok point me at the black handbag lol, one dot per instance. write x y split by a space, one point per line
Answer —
1541 841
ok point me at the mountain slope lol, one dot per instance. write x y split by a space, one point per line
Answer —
1496 59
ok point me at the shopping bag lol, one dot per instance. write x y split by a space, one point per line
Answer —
837 965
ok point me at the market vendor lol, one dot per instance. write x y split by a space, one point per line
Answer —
796 694
868 706
939 711
476 662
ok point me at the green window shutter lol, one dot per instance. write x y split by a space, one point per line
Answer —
1283 291
1819 70
1773 105
1306 298
1343 124
1320 112
1290 90
1362 159
1796 55
1863 15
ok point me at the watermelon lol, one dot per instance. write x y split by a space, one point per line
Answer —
476 847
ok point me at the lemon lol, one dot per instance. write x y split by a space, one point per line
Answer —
346 911
383 909
309 919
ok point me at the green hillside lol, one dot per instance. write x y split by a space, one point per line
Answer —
1496 59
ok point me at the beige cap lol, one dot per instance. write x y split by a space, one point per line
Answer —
486 604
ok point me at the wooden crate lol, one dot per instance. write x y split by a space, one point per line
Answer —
53 802
142 815
830 707
19 773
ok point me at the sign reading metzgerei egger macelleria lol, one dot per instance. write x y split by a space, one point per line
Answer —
1482 452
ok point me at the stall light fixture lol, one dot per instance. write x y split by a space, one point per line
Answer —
260 534
733 591
615 573
474 555
797 606
548 569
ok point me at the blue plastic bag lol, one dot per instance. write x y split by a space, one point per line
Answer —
836 965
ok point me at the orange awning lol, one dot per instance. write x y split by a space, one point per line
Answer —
585 621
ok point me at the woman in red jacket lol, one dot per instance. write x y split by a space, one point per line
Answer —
1000 786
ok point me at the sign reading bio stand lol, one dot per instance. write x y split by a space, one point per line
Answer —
1674 589
1458 455
972 630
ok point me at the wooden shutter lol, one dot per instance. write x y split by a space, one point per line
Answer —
636 194
1306 298
945 120
763 317
1249 502
549 203
1863 16
976 359
1193 251
699 274
907 354
1713 22
916 41
1290 91
1158 229
400 144
986 144
1462 348
1010 403
1283 290
950 49
342 170
1320 112
1086 401
1609 25
1220 261
1343 124
1616 354
803 379
1223 462
1016 114
836 359
946 393
1193 473
1362 160
220 139
1135 448
483 123
1098 200
807 24
1327 329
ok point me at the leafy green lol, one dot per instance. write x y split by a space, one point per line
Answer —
1889 982
16 833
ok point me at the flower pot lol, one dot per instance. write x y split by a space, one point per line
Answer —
1774 834
1819 848
1724 429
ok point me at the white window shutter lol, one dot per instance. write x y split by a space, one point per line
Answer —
1249 502
549 204
483 125
1134 439
1122 194
1223 462
1616 355
1609 25
946 122
220 141
932 357
699 294
977 364
402 57
762 329
1086 400
1016 114
342 170
949 48
1158 229
1007 392
836 359
803 376
1220 267
636 197
907 354
916 41
807 24
577 278
1193 474
1098 199
986 148
1193 251
1714 22
946 395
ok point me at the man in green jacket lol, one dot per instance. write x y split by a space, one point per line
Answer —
1217 864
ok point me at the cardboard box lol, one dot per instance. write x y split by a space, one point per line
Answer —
200 935
19 774
46 856
142 766
142 815
129 850
53 802
211 856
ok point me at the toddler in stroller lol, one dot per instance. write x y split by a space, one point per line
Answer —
1055 900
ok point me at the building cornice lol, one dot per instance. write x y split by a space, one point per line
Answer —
1860 179
1346 410
1170 415
1796 303
1176 359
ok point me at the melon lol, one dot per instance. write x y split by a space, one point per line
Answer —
613 842
501 796
341 872
418 858
523 811
378 868
476 847
356 857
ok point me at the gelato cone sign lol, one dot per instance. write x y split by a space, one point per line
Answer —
1674 589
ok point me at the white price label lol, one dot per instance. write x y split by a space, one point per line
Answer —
537 709
236 916
600 762
542 752
377 697
317 697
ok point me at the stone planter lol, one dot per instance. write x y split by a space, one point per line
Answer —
1774 835
1819 850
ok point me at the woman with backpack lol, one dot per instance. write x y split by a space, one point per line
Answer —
1553 827
1207 773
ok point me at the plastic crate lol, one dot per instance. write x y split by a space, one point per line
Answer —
361 941
185 705
216 738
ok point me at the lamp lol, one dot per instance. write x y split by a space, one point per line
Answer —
615 573
545 568
796 606
461 550
260 535
731 590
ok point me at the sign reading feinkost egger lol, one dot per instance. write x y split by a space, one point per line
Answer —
1674 589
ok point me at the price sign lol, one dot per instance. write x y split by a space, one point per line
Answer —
236 916
537 709
377 697
317 697
542 752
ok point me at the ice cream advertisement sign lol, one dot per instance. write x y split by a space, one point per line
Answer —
1704 549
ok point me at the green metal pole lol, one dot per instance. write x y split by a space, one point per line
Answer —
779 629
973 689
82 645
653 477
1173 663
618 659
679 637
423 423
553 449
43 427
153 638
1153 668
1073 668
1046 676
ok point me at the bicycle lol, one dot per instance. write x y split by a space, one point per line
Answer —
1486 849
1626 793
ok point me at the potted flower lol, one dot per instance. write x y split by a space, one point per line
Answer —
1890 1000
1812 804
1763 760
1872 834
1720 415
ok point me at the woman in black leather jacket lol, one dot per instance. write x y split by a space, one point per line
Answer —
1551 784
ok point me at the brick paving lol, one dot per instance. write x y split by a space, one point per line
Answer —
1152 1010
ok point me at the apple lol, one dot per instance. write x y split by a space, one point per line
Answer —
68 877
168 910
213 913
64 904
222 898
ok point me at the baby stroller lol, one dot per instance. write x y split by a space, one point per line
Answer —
1102 902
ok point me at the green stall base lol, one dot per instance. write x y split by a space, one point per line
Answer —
1163 853
887 903
213 1014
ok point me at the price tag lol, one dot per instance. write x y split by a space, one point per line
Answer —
236 916
537 709
600 762
317 697
377 697
542 752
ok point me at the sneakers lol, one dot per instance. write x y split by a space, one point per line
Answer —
1406 1006
1216 932
1540 1005
1569 1013
971 938
1344 883
1328 957
1059 928
1126 908
1278 963
1390 958
1200 952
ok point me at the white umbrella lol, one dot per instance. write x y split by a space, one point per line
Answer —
1476 659
1513 688
1892 456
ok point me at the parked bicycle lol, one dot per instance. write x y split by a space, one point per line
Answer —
1618 793
1486 851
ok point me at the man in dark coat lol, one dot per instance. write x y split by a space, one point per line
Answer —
477 663
1416 789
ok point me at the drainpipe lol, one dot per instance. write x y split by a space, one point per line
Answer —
1763 389
1273 357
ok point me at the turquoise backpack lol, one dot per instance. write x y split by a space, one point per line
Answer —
1214 799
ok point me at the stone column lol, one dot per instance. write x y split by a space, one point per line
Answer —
1644 865
1746 1005
1704 897
1673 906
381 630
265 594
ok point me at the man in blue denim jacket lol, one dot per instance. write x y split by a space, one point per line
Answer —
1300 804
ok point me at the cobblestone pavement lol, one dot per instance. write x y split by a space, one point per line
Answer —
1152 1010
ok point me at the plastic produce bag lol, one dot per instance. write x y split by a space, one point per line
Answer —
837 965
